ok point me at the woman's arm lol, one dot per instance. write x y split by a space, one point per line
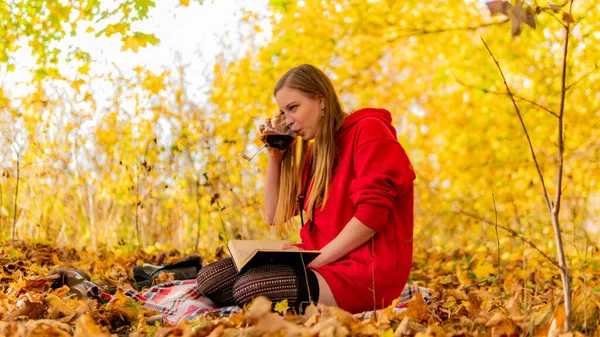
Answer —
271 194
354 235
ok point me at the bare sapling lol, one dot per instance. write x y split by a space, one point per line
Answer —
520 16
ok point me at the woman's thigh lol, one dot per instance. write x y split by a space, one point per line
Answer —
325 294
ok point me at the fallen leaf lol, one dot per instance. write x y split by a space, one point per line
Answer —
328 328
496 319
557 324
501 325
435 330
514 307
364 328
282 306
342 316
59 310
259 308
417 309
408 328
85 327
217 332
26 307
47 327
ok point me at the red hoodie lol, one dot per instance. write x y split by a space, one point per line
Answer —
374 183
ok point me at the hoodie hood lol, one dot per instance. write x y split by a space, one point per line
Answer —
359 115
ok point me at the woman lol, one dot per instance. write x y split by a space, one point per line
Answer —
355 183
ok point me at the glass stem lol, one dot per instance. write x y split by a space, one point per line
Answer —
259 151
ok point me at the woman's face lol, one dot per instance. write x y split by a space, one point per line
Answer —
301 112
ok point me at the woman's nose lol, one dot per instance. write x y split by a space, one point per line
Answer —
289 121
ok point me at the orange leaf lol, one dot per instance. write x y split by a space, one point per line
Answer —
417 309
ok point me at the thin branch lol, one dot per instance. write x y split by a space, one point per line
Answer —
582 77
373 275
535 161
454 29
513 233
555 210
477 283
557 19
16 194
488 91
498 244
561 143
420 32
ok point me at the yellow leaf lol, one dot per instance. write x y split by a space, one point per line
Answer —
59 310
84 69
388 333
154 83
86 327
282 306
137 40
184 2
117 28
483 271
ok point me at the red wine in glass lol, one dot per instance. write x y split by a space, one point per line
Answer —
277 135
277 141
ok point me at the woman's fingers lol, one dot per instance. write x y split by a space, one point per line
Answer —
288 246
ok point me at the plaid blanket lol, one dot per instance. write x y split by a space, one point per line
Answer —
178 300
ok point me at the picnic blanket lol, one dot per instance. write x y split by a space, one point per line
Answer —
178 300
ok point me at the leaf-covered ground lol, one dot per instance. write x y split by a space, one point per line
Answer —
468 299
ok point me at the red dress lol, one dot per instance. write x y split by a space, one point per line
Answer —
374 183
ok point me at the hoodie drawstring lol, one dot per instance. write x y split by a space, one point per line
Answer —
302 198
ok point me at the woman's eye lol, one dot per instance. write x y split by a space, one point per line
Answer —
293 107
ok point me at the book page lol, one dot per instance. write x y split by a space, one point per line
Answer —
242 250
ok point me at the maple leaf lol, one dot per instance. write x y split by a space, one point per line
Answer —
517 14
417 309
137 40
499 7
484 271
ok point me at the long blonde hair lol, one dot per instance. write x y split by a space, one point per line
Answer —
313 83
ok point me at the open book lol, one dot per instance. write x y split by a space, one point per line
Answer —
252 253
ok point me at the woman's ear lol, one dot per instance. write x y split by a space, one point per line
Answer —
321 100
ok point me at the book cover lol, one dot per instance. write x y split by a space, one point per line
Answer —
248 254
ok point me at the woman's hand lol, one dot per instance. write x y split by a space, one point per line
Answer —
273 153
289 246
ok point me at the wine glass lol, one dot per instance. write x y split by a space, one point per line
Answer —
277 134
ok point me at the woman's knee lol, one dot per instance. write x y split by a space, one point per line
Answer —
215 275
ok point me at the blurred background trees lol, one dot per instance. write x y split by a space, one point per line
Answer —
112 154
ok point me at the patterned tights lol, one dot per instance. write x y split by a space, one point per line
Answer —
222 284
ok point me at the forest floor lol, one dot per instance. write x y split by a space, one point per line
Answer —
472 296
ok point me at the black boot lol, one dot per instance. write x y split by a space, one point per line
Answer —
78 283
186 269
